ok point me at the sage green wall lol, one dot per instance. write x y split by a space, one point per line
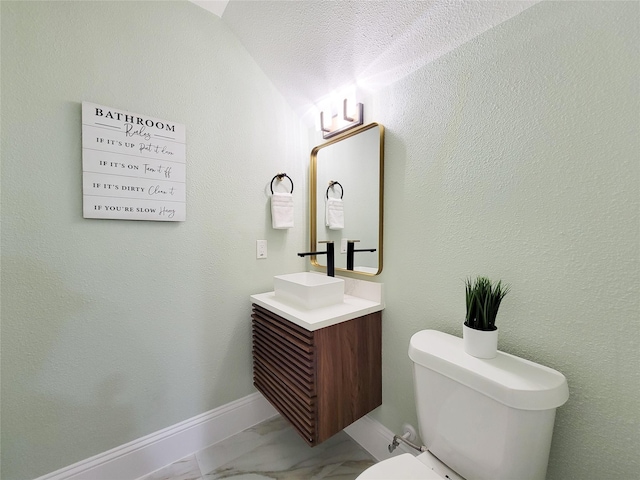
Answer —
517 156
112 329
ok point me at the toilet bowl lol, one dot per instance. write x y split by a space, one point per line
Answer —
480 419
407 467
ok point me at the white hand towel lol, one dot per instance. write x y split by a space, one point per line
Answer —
334 214
281 210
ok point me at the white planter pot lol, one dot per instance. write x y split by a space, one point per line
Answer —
480 343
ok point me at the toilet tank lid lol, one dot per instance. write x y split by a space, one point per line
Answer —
510 380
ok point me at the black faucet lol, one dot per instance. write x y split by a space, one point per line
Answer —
351 250
331 269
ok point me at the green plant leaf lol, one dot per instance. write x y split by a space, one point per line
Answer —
483 301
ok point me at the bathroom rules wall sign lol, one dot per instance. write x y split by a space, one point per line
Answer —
133 166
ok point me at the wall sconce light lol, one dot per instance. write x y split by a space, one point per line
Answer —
336 125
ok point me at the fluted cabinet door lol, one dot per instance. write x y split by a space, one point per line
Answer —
320 381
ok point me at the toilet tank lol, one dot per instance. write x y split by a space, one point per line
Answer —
485 418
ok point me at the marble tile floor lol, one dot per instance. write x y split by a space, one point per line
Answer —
271 450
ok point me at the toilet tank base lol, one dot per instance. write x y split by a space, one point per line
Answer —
478 437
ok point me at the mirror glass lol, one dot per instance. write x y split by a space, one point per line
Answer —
353 209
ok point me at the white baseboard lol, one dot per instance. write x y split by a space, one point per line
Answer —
375 438
154 451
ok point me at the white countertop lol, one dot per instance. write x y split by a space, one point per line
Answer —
368 300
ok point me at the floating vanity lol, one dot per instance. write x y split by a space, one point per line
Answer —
319 367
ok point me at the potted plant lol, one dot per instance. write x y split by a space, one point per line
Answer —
479 332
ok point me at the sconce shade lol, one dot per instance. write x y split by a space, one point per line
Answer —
333 128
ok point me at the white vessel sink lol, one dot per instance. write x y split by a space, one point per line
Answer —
309 290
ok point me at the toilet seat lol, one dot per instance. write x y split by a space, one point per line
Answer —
402 467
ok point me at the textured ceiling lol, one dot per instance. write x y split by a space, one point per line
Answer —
214 6
311 48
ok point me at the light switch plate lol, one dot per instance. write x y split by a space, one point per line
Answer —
261 249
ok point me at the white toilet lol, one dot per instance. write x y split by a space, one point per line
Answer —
479 419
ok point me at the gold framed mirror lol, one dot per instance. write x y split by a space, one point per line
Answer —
347 197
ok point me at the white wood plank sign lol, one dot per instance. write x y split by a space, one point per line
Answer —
133 166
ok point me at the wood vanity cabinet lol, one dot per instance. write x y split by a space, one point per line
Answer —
321 381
